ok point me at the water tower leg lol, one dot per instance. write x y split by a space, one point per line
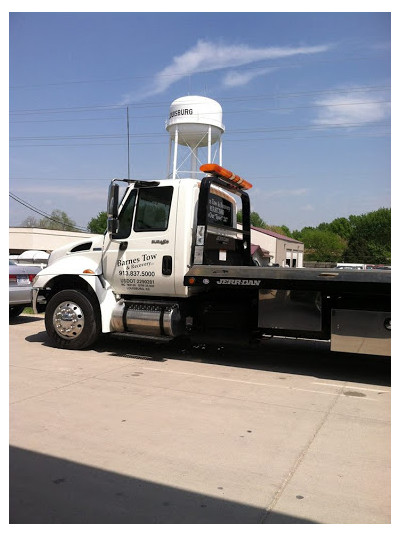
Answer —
175 154
169 157
194 162
209 144
220 152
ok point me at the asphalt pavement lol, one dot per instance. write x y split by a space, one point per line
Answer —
144 433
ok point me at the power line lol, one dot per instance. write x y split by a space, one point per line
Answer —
44 214
360 124
241 140
55 179
204 71
158 104
270 138
354 89
74 120
325 126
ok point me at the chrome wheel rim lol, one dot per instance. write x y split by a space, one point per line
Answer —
68 320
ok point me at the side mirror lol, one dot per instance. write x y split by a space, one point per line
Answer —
113 197
112 208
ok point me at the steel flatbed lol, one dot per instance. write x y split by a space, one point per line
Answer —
327 279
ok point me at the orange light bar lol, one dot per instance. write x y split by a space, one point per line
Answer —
215 169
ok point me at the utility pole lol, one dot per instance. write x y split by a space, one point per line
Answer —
127 128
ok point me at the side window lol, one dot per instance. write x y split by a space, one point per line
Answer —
126 216
153 208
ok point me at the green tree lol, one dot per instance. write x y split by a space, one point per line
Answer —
340 226
30 221
280 229
285 230
58 220
98 224
255 219
296 235
370 239
322 246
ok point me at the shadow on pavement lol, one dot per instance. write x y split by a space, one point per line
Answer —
46 489
284 356
24 319
310 358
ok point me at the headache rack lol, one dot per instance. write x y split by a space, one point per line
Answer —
218 242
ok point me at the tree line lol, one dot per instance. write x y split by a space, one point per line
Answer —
364 239
357 239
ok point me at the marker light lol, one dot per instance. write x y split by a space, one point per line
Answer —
219 171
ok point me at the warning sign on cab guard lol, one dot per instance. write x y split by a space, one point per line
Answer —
240 282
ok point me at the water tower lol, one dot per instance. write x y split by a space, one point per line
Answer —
194 123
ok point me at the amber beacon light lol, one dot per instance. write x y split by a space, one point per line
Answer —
215 169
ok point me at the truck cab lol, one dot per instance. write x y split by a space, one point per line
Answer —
155 235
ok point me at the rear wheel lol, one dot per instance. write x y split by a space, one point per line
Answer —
72 319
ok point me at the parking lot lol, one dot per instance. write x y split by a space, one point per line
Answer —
134 432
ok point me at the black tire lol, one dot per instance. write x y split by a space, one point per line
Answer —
72 319
16 310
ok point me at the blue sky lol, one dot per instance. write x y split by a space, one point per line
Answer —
305 99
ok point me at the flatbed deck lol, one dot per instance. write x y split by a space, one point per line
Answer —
375 281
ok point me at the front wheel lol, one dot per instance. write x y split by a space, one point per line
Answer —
72 319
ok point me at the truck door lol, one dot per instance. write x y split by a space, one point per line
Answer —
139 258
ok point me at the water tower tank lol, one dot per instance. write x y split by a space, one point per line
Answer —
194 117
194 123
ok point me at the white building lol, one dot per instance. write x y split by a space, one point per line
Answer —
270 248
283 250
21 239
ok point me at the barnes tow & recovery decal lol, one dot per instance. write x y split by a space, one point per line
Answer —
138 274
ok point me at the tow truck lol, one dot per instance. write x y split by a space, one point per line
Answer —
174 263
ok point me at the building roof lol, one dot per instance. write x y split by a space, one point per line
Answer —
263 252
276 235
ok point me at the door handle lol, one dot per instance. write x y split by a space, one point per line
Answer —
167 265
123 246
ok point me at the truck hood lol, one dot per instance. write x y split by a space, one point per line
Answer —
77 257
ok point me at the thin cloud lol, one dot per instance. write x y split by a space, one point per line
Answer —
351 109
208 56
236 78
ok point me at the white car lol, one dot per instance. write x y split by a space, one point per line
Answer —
20 286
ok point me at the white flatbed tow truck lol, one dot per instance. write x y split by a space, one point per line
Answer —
174 263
